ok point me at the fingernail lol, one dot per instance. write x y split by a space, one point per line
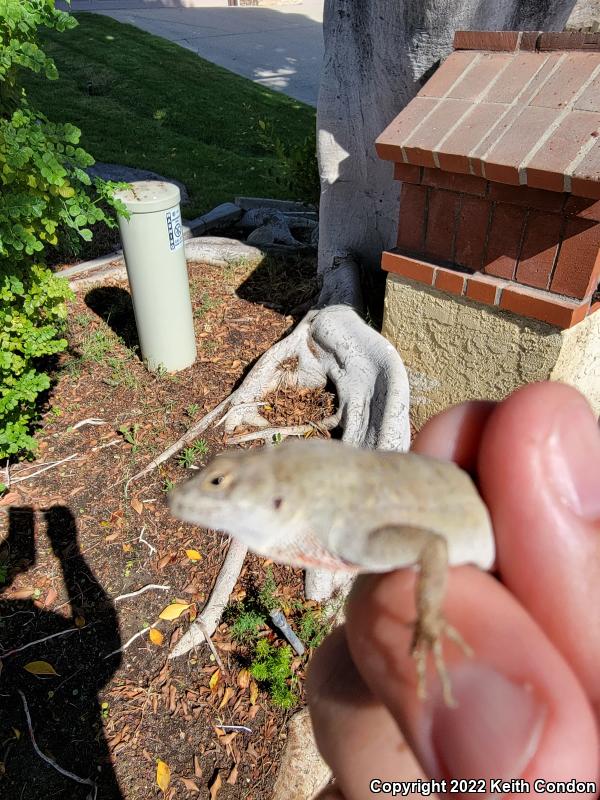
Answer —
495 728
573 453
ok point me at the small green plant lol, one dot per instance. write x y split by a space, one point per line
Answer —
272 666
267 594
189 455
313 628
206 303
247 625
192 410
3 574
129 433
168 485
277 438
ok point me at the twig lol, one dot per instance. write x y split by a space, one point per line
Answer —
47 467
244 728
45 639
7 474
112 443
144 541
88 421
211 646
141 591
281 623
53 764
132 640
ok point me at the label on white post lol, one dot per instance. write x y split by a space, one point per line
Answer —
174 228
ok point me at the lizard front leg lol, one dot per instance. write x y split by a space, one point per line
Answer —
402 545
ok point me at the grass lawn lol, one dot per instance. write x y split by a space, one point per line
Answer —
146 102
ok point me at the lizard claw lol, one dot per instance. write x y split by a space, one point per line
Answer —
427 637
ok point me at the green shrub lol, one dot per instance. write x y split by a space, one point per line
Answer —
272 666
43 190
298 163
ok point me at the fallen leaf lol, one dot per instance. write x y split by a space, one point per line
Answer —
21 594
243 679
233 775
137 506
197 767
193 555
253 693
11 497
112 536
214 680
50 597
226 697
79 622
163 775
190 785
155 636
40 668
173 611
162 563
215 786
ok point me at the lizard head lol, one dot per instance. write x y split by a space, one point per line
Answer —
237 493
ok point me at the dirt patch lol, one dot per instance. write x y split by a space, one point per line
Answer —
72 542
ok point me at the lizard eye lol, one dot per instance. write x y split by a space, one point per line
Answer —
218 480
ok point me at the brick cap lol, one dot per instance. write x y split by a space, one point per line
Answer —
516 116
505 295
508 41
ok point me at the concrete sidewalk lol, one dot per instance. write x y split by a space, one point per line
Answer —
279 45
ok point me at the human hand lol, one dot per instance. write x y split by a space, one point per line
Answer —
529 699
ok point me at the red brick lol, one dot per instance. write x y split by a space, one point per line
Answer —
447 280
389 143
569 40
413 211
504 241
502 161
453 152
408 267
441 80
538 252
419 146
525 196
529 40
407 173
479 78
441 223
578 267
559 90
583 207
544 307
590 99
486 40
471 232
484 289
440 179
585 180
514 78
545 170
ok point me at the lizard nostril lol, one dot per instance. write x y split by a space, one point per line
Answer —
277 503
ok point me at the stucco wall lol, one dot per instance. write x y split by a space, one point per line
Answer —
456 349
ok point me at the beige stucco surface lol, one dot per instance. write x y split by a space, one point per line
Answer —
456 349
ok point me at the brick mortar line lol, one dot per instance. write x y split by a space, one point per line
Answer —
439 100
563 228
581 154
522 168
514 104
476 101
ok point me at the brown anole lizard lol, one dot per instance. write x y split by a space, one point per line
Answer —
323 504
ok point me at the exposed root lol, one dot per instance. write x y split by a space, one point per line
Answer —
212 611
272 434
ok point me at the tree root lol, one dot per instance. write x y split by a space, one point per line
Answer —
329 344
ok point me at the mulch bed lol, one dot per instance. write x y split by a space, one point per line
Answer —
72 543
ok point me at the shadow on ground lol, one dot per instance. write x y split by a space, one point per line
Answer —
66 715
